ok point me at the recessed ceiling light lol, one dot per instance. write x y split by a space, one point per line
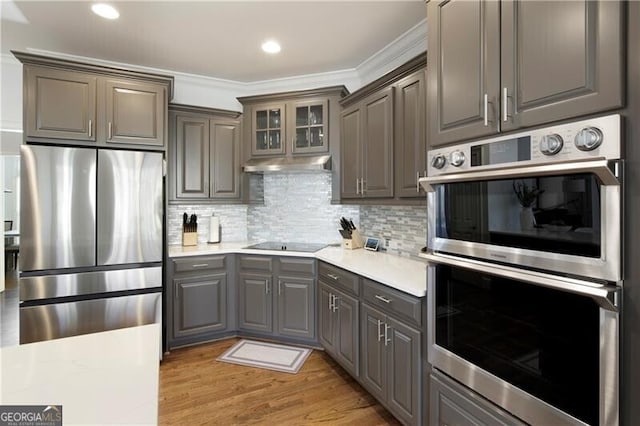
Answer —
105 10
271 46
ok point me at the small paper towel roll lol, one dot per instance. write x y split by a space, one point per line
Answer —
214 229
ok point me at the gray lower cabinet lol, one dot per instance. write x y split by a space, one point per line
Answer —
200 298
204 153
502 73
84 104
452 404
391 363
276 296
200 304
338 318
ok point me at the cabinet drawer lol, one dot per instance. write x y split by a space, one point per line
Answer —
339 278
199 263
297 265
392 301
256 263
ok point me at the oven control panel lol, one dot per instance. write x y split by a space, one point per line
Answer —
580 140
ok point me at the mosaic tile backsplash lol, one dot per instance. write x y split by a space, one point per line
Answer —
297 207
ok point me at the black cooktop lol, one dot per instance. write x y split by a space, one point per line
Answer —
275 245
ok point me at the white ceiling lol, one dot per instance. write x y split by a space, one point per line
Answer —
214 38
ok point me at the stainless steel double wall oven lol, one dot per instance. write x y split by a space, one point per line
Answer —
524 275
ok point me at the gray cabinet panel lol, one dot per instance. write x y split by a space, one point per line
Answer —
377 142
351 152
347 349
225 159
404 370
339 278
199 263
373 366
326 323
554 70
200 304
59 104
392 300
453 404
255 302
463 68
296 303
135 113
192 155
410 141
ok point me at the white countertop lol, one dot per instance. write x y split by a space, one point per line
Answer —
402 273
101 378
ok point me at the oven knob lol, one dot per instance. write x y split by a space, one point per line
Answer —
588 139
551 144
456 158
438 161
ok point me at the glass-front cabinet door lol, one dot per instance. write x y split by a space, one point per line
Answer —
268 129
310 130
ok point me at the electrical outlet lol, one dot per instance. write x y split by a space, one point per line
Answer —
387 241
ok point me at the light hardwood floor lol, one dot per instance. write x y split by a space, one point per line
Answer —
195 389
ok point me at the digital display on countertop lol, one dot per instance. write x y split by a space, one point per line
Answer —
507 151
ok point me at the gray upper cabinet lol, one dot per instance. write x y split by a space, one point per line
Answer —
503 72
204 154
268 129
464 69
85 104
309 128
135 113
200 304
570 63
367 147
59 104
410 141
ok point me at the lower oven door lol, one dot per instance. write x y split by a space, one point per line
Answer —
543 347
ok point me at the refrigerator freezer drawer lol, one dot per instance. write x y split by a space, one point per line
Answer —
130 207
63 285
47 322
58 207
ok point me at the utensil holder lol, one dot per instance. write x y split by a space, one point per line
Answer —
355 242
189 239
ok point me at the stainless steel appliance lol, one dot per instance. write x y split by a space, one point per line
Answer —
275 245
91 240
571 227
524 275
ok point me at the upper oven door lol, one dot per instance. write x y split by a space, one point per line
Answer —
562 222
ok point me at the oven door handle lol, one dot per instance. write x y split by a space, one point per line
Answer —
606 296
600 167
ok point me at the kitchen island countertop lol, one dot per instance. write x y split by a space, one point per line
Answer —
101 378
399 272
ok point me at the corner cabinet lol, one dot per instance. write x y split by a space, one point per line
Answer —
382 130
83 104
504 73
204 154
276 297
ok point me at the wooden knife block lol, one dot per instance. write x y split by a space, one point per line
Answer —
189 239
355 242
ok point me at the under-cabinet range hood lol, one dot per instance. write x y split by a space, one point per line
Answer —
286 164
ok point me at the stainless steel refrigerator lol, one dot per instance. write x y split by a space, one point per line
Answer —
91 240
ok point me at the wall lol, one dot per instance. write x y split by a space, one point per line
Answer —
297 208
404 226
233 222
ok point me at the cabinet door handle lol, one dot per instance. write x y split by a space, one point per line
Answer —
333 277
90 128
362 186
357 186
382 298
417 183
386 340
335 306
331 302
486 110
111 130
200 265
266 286
380 335
505 104
279 287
